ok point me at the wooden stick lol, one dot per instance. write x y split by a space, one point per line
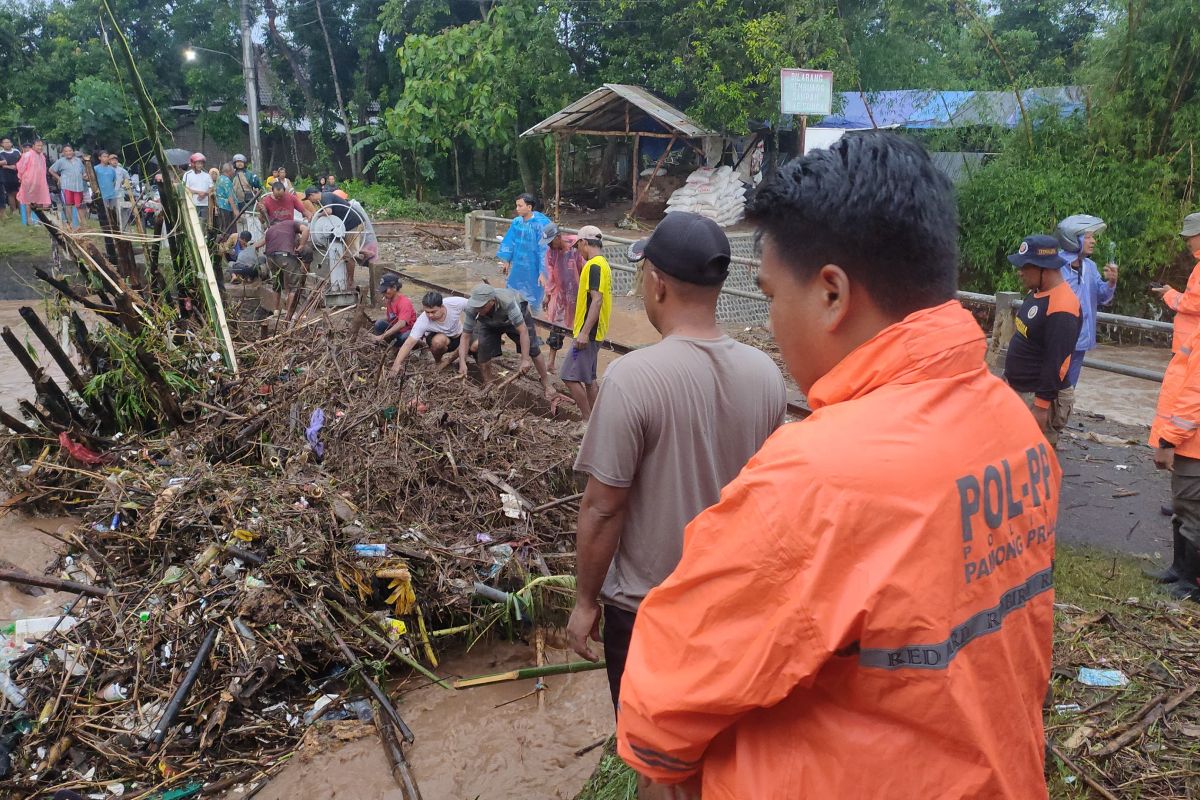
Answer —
47 582
60 357
638 196
530 672
15 425
562 501
1103 792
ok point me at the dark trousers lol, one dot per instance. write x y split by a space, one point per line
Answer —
1185 499
396 339
618 630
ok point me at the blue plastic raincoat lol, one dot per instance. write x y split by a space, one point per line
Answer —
522 248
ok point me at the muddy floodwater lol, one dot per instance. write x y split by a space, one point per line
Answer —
470 744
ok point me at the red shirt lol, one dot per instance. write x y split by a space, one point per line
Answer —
400 307
281 210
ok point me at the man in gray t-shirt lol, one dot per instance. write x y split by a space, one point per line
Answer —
673 423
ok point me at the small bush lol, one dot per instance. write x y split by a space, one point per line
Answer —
386 202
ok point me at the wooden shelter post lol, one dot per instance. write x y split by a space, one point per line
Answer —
557 176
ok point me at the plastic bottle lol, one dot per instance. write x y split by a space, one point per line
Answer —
371 550
14 693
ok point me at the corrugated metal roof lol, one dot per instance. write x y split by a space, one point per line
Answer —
604 110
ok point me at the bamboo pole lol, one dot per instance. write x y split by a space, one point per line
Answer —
637 197
530 672
633 172
47 582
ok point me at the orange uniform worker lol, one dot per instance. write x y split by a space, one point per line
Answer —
876 586
1185 304
1177 448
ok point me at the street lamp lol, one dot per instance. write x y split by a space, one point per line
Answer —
249 68
190 53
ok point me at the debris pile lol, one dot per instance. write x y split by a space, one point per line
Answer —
1125 713
315 528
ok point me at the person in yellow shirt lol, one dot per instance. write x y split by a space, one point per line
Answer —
593 306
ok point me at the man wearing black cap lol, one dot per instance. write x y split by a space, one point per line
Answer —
1048 322
399 313
673 423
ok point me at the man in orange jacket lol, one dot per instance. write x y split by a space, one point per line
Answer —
1185 304
1177 448
877 581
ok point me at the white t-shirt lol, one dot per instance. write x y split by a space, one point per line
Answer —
451 325
201 182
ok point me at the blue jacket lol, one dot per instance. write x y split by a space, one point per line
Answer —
1092 290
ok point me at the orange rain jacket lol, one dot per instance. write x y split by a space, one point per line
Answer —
1178 415
867 611
1186 305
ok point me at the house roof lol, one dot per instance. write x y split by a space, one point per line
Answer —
620 108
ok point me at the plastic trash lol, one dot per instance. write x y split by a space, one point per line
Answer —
501 555
1106 678
28 630
14 693
315 423
371 550
319 706
114 692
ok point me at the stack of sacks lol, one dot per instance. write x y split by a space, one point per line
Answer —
714 193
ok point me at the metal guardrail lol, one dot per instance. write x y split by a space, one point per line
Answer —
735 301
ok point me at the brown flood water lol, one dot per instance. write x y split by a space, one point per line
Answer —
466 747
25 544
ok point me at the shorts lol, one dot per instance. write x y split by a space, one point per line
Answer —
579 363
1060 412
354 243
490 337
288 270
71 198
454 340
617 632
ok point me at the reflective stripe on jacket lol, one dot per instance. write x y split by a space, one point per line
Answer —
867 611
1177 416
1186 305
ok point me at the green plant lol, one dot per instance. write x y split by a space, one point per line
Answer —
133 400
1028 190
386 202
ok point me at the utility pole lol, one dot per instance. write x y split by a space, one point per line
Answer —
249 69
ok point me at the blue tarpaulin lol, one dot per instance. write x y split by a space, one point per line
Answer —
926 108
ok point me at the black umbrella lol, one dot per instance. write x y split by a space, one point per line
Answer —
178 158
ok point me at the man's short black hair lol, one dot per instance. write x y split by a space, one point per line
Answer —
876 206
431 300
528 199
245 236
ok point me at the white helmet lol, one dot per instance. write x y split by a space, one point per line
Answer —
1071 230
239 157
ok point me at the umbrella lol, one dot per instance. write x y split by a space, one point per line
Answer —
177 157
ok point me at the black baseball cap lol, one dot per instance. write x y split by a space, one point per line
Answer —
686 246
1037 251
389 280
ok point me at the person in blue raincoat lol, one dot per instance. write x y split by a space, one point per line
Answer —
522 254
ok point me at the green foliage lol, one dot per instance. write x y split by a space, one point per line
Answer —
1025 191
125 384
612 779
386 202
1147 72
